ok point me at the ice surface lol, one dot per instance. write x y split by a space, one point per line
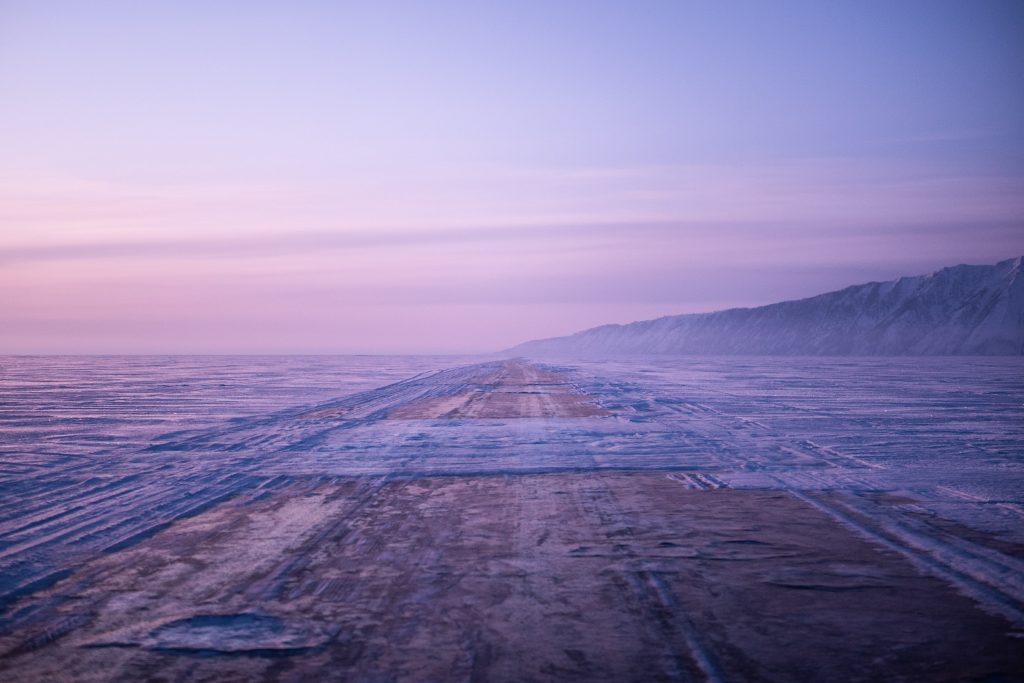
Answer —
920 457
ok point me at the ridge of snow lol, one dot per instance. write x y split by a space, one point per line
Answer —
958 310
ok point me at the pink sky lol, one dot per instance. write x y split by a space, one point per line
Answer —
385 181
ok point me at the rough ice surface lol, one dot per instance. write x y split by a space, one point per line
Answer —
922 458
958 310
98 451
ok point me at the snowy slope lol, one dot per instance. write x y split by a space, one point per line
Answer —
962 310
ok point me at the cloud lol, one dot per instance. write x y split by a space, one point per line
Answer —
726 242
532 252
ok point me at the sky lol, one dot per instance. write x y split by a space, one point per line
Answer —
459 177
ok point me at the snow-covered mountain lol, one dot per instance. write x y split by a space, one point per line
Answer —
962 310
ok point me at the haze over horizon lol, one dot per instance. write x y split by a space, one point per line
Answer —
460 177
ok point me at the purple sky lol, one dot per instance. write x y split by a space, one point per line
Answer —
454 177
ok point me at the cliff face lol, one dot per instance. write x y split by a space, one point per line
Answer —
962 310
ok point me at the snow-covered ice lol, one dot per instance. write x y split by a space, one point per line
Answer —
210 496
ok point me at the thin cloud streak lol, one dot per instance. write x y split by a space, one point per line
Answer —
867 242
837 193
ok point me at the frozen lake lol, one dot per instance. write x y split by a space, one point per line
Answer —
918 458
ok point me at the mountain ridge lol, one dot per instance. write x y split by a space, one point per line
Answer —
957 310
